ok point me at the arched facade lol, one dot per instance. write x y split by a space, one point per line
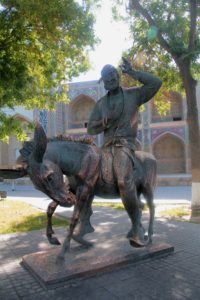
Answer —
79 111
10 151
169 151
165 137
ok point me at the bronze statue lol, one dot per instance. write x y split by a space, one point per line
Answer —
116 114
113 171
45 162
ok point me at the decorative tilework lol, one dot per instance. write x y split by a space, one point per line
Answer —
179 131
139 135
59 118
89 91
146 136
43 119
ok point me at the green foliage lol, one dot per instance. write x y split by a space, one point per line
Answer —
151 62
171 19
43 44
10 124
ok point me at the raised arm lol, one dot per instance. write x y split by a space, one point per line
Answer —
151 83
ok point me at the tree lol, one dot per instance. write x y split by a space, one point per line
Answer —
43 44
168 33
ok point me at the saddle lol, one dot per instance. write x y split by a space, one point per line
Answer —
106 163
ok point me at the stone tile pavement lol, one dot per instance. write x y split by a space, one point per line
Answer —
176 276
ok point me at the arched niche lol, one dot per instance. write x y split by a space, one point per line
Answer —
169 151
10 150
80 109
22 118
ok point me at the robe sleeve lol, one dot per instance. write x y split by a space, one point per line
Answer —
151 85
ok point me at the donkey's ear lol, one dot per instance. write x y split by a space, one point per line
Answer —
13 172
40 143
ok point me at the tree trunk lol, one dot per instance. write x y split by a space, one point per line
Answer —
194 132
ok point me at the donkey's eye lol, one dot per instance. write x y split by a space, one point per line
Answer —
50 178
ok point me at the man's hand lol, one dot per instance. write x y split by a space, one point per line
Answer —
126 66
107 121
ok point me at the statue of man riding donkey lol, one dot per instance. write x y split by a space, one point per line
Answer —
114 170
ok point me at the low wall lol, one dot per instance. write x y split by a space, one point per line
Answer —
174 180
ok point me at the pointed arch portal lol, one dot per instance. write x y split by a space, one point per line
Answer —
169 151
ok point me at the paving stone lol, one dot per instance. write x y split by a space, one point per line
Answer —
173 277
93 294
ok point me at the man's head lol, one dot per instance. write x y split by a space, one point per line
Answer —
110 77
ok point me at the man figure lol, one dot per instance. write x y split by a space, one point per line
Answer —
116 114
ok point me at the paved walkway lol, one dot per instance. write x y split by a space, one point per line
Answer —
176 276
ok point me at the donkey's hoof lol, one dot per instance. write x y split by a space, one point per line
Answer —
53 241
149 239
129 234
89 229
81 241
137 243
50 231
83 230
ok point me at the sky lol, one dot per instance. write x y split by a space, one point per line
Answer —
114 38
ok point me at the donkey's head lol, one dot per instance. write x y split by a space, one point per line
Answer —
45 174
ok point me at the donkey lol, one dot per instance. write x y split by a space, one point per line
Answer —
89 171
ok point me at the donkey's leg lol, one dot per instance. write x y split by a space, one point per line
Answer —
88 175
82 198
49 230
84 226
72 225
141 206
148 194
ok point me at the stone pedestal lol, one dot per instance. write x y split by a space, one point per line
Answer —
82 262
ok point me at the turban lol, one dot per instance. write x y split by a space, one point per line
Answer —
107 69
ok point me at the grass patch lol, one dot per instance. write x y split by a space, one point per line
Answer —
176 212
17 216
181 213
114 205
